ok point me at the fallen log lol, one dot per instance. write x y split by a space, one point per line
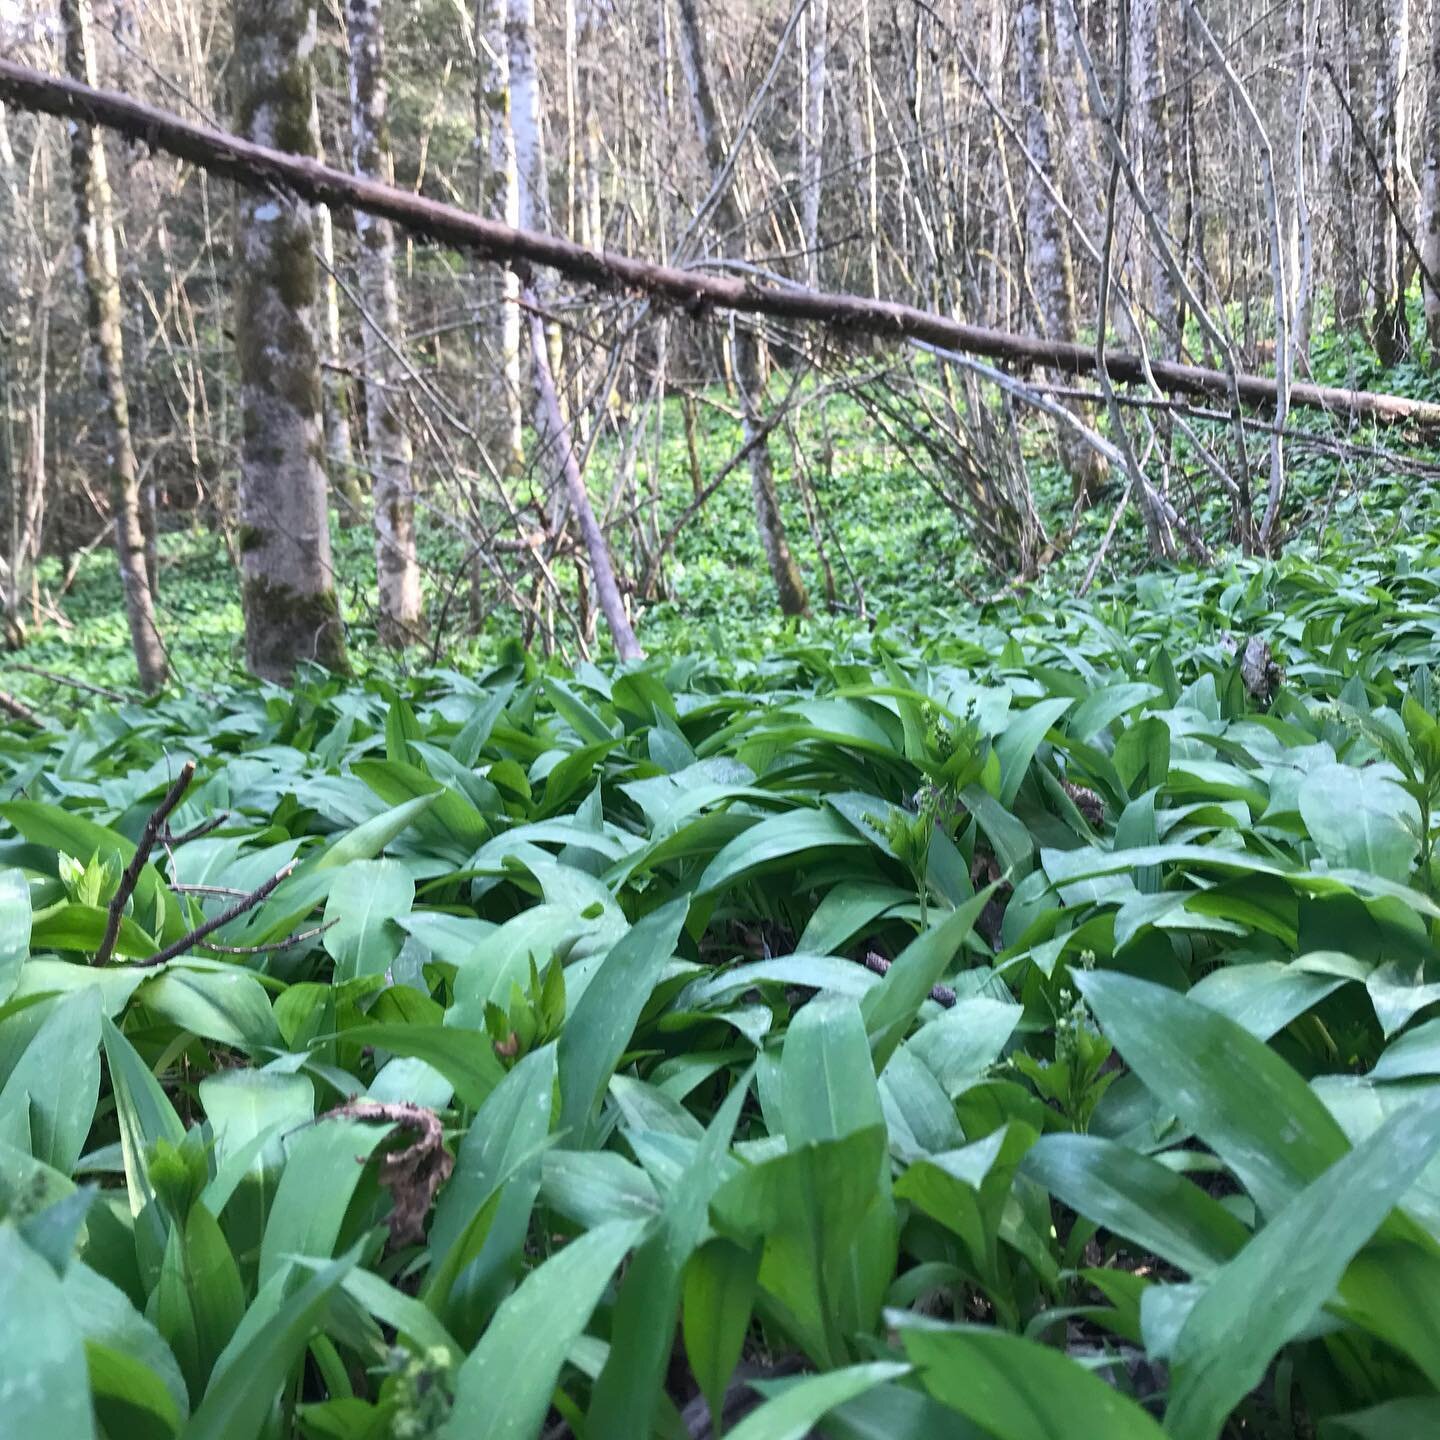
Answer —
695 292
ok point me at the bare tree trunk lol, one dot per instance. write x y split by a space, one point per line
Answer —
391 462
502 416
100 277
747 349
339 446
812 135
1147 89
1430 189
1047 255
1391 260
291 610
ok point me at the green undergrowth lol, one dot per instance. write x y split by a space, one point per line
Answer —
548 1075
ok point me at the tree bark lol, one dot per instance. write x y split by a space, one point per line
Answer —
100 276
1430 190
1391 123
812 135
1047 255
291 611
748 350
397 566
499 399
339 445
1147 91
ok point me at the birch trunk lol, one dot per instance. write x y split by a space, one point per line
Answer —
339 445
499 398
100 278
748 351
812 135
291 611
391 461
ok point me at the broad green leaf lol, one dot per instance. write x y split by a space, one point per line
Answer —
773 841
600 1028
1361 820
1138 1198
891 1007
1270 1291
366 899
1018 1390
14 928
504 1387
259 1360
1222 1083
718 1297
42 1385
793 1413
228 1006
48 1102
466 1058
1016 747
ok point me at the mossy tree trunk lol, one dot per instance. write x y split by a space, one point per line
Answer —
291 611
391 461
748 349
100 278
339 446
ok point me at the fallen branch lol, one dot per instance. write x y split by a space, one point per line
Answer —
143 847
22 712
188 942
56 678
272 946
878 965
259 167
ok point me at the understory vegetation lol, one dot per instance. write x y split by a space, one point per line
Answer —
1011 1021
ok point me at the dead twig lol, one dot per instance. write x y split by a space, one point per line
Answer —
56 678
143 847
188 942
287 943
878 965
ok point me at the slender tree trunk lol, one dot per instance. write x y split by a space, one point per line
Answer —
1147 91
1430 189
391 461
1047 253
812 135
502 416
1391 260
748 351
100 277
339 445
291 611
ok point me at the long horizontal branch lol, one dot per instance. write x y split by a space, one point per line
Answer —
257 166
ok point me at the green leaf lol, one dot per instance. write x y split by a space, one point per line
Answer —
82 927
602 1023
793 1413
41 1384
227 1005
466 1058
48 1102
1414 1417
1361 820
366 841
260 1358
891 1007
1138 1198
323 1166
1231 1089
1271 1290
775 840
503 1389
1016 747
718 1297
1018 1390
367 897
14 928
